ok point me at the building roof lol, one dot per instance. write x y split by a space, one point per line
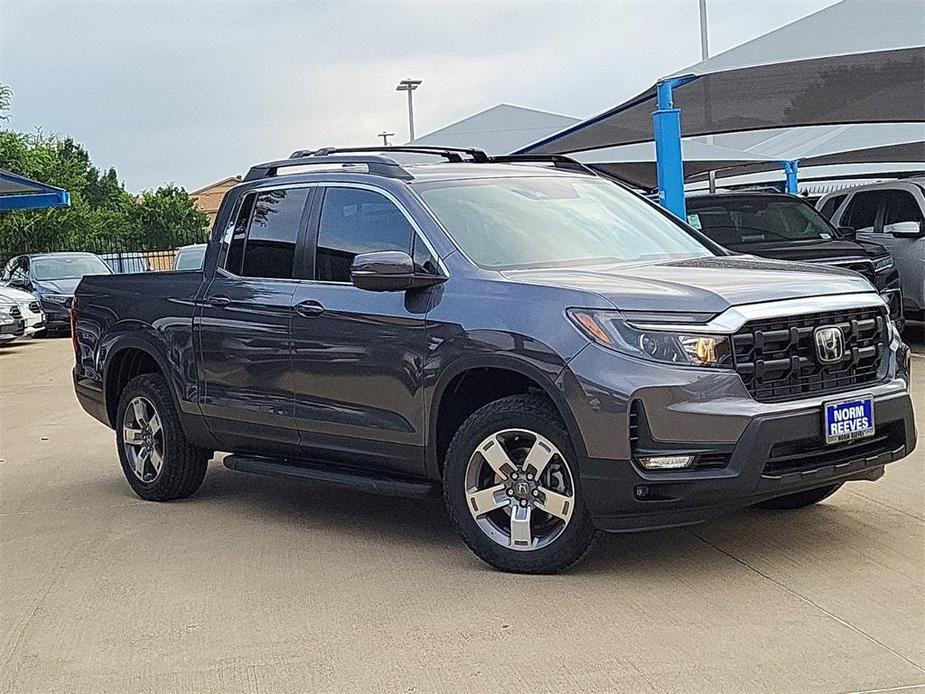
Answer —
498 130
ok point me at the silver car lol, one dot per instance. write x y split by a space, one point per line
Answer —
892 214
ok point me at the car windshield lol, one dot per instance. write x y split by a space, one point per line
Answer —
66 267
190 258
756 219
537 221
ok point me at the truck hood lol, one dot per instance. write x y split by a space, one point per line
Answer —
818 251
703 285
65 286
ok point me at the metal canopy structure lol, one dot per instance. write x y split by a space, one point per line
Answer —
498 130
636 163
739 154
853 62
18 193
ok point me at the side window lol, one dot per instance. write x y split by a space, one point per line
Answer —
357 221
8 270
829 206
902 207
237 235
862 210
265 234
424 260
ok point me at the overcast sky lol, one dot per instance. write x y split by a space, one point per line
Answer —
194 91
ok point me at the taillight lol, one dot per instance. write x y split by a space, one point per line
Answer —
74 340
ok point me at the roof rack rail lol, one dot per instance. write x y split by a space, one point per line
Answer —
559 161
452 154
379 165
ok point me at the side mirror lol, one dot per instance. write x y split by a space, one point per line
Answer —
904 229
848 233
388 271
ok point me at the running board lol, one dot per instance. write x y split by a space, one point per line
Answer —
364 481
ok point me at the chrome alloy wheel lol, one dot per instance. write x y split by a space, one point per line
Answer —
143 439
519 489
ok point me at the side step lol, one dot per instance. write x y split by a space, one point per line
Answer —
363 480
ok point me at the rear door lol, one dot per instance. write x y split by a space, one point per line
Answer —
358 355
905 205
245 343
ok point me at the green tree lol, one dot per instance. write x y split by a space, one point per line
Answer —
103 216
6 96
166 218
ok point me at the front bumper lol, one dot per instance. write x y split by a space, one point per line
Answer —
752 450
777 454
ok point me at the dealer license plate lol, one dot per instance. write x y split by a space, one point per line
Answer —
846 420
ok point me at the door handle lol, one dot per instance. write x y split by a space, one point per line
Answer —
309 309
219 301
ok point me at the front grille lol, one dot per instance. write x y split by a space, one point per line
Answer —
863 267
777 357
812 453
34 306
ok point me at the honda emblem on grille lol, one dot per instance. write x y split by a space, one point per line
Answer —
830 344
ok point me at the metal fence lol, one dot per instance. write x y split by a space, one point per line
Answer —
121 256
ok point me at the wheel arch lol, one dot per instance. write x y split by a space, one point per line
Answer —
523 377
132 357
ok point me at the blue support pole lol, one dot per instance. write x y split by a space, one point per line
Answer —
791 168
666 126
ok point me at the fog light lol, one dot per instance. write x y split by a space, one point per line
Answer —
666 462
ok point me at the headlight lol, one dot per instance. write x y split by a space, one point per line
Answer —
610 329
883 263
56 298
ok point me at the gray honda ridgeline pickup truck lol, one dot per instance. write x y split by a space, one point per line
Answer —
555 353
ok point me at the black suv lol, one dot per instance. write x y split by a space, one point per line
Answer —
555 353
786 227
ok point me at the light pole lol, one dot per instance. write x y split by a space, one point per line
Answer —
385 137
704 54
409 85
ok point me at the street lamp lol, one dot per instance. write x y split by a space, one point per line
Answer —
385 137
409 85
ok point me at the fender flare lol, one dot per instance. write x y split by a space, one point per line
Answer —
508 363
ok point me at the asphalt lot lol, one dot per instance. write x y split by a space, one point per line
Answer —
260 585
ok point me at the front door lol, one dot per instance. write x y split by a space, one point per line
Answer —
358 355
244 326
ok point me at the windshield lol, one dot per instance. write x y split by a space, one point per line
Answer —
504 223
190 258
736 221
67 267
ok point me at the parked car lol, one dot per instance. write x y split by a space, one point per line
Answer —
29 308
126 262
557 354
892 214
190 257
12 325
52 278
785 227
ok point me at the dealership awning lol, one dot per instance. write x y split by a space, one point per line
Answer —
853 62
18 193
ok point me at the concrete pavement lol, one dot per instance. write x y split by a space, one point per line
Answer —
262 585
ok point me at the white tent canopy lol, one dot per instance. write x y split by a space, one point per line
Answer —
853 62
498 130
737 154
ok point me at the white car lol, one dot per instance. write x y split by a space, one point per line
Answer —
891 214
29 308
12 326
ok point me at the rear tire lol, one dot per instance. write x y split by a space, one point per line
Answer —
159 462
803 499
520 509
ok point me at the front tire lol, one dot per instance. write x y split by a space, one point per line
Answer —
512 488
802 499
159 462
